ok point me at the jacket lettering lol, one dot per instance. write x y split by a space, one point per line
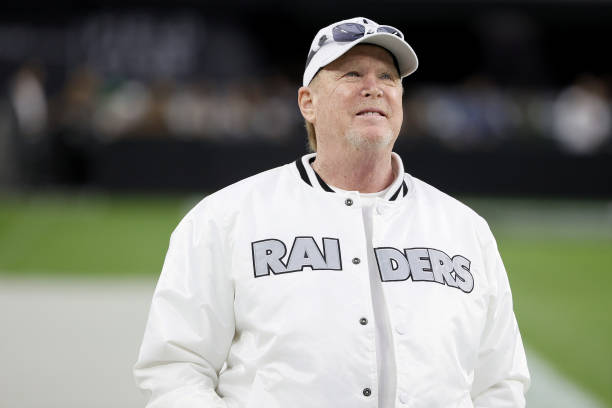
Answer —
419 264
268 256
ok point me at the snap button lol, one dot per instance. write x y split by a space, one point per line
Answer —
404 398
356 261
348 202
401 329
363 321
367 392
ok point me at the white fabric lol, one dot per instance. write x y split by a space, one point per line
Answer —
385 358
294 339
384 339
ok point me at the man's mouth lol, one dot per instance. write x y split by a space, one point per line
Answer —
371 112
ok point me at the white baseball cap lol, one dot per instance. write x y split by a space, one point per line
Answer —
336 39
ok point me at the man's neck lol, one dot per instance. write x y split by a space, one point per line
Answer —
363 171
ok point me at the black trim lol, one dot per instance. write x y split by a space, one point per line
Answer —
304 175
403 188
323 184
394 196
302 170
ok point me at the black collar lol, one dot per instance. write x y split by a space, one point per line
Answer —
402 188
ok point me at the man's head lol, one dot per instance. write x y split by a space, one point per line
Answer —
344 78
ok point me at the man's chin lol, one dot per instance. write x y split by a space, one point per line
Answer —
370 140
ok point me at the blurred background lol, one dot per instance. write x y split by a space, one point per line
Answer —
117 117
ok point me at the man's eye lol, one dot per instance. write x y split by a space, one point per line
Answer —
352 74
386 76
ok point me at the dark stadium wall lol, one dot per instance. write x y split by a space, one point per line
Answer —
202 166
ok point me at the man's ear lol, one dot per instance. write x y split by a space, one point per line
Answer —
306 103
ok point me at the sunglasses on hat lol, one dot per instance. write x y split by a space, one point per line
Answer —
348 32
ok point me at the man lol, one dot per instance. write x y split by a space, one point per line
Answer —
337 280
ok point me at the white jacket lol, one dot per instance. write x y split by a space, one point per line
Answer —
264 301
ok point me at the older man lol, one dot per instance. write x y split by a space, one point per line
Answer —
337 280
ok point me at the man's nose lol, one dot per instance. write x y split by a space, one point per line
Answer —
371 87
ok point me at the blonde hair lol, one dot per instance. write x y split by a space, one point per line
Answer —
312 135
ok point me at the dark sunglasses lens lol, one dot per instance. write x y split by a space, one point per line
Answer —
348 32
390 30
310 55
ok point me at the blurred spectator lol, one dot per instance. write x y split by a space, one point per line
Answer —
582 121
29 109
182 113
76 105
277 108
29 102
153 122
236 110
125 74
121 109
474 114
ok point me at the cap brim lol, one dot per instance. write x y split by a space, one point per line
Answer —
406 57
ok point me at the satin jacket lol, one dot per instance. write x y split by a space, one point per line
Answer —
264 301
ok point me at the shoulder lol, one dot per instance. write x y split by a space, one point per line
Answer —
221 205
444 205
439 199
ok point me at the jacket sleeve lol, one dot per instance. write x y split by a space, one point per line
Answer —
501 376
191 321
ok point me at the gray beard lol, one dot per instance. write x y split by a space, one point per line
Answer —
363 143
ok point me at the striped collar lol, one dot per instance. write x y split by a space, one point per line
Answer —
398 188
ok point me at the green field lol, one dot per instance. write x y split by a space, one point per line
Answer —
87 235
558 255
559 260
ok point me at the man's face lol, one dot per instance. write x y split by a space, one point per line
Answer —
357 100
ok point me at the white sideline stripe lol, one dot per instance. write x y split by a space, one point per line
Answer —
70 343
74 341
551 389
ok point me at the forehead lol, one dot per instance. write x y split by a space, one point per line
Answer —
363 53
